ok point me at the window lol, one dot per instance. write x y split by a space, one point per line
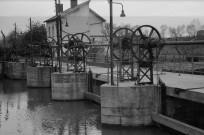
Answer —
49 31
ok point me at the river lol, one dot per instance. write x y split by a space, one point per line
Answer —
31 111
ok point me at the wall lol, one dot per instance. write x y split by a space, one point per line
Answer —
77 20
95 24
185 111
51 25
129 105
80 21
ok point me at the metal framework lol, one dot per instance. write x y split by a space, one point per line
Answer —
141 47
41 52
122 53
146 47
77 51
146 53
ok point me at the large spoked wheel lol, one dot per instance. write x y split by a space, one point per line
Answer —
122 42
53 44
79 41
148 37
65 41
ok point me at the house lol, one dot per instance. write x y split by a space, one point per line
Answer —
80 18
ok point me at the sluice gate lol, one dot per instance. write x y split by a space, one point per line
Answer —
128 93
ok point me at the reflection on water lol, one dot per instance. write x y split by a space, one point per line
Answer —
30 111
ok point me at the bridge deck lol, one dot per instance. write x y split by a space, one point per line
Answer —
184 81
185 86
174 80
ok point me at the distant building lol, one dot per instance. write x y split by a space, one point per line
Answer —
80 18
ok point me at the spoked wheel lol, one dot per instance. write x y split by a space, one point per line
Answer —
148 37
78 50
79 42
46 53
65 41
122 42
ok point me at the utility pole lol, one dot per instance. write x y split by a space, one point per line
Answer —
15 46
31 34
31 41
111 40
58 36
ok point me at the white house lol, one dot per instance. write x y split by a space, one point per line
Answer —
80 18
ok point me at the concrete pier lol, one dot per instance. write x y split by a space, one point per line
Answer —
129 105
16 70
69 86
39 76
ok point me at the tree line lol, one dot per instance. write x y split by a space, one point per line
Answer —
178 33
18 40
37 33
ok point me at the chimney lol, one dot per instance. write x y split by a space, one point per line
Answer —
73 3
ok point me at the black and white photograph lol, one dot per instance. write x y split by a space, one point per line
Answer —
101 67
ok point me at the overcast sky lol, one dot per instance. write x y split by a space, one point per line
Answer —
21 10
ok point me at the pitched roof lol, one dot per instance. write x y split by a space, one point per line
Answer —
67 11
70 10
97 15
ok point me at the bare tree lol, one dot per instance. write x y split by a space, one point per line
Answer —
193 27
163 30
106 31
190 29
176 35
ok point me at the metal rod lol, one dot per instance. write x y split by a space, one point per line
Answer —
111 40
58 42
119 4
31 37
183 42
200 42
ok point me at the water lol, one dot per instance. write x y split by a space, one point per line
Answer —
30 111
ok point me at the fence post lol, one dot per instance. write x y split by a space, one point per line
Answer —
192 63
174 64
179 65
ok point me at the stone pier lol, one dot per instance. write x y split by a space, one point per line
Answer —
16 70
128 104
39 76
69 86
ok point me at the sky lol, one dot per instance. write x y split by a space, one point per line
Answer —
138 12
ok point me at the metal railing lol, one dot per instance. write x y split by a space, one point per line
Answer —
174 63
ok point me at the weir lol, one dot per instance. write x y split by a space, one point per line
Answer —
128 88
